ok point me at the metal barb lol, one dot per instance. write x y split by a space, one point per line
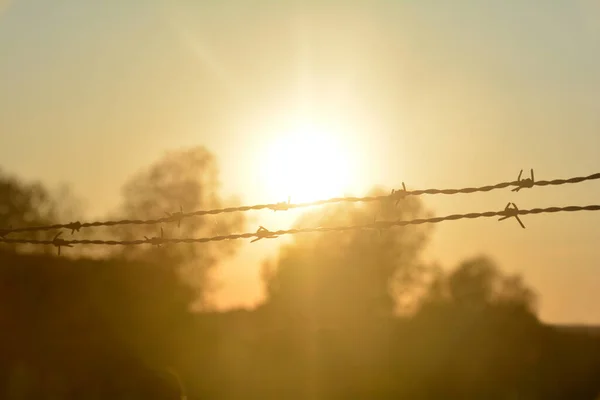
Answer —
263 233
176 216
58 242
512 212
399 194
525 183
156 241
74 226
281 206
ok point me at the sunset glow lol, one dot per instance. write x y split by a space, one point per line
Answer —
306 163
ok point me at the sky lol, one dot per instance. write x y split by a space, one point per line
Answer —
433 94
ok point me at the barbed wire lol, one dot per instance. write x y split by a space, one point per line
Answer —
510 211
396 195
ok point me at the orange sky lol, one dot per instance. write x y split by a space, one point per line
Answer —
451 95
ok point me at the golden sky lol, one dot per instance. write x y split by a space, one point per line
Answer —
435 94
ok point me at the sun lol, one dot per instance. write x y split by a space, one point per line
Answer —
307 163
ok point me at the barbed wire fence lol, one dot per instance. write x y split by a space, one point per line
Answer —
510 211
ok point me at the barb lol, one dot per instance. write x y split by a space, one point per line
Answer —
156 241
58 242
265 233
511 212
399 194
177 216
395 195
525 183
281 206
73 226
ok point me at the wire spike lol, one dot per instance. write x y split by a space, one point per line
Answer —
74 226
281 206
156 241
399 194
511 210
263 233
176 216
58 242
524 183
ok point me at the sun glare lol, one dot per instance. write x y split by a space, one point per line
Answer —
306 164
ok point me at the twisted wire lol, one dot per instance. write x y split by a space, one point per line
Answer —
263 233
395 195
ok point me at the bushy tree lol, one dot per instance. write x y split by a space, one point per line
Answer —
477 325
89 329
187 180
479 282
344 277
27 204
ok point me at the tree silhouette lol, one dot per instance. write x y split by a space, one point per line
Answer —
26 204
185 180
478 326
478 282
345 277
115 327
88 328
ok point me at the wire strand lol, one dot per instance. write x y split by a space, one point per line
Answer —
262 233
396 195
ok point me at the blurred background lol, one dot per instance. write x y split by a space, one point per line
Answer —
134 109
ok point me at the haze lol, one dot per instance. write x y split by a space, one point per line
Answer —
428 93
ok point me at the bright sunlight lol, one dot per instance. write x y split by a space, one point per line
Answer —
307 163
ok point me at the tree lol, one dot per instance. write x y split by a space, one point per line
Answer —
331 299
478 282
493 314
27 204
88 328
185 180
344 277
